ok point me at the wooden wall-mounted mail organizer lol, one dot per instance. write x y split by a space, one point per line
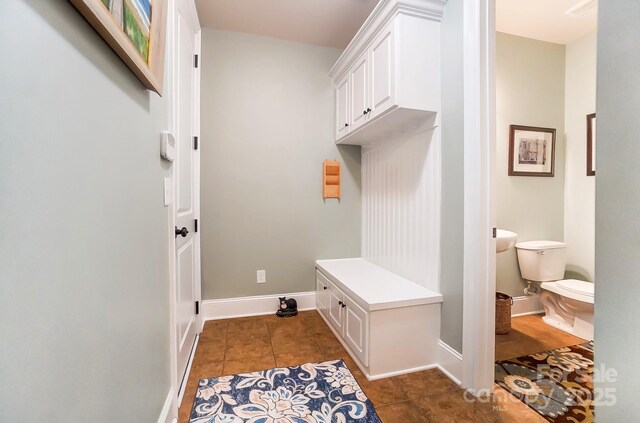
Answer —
331 179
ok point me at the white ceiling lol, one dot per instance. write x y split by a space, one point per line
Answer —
331 23
546 20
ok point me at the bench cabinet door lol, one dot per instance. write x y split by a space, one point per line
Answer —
322 294
356 329
336 310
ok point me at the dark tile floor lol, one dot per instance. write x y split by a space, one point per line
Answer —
263 342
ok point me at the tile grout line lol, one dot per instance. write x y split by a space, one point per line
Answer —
273 351
226 341
315 341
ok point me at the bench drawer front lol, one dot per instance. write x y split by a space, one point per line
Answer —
356 330
336 311
322 294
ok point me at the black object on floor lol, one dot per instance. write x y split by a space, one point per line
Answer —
288 308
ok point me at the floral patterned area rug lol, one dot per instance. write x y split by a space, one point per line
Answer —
313 393
558 383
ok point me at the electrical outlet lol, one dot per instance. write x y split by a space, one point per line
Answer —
261 276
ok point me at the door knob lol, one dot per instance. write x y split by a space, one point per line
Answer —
182 232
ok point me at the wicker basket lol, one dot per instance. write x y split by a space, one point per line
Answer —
503 313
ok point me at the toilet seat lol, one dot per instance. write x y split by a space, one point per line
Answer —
579 287
576 290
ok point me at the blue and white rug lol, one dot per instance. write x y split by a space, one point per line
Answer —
311 393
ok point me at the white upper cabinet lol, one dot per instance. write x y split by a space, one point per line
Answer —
393 68
343 114
359 78
382 73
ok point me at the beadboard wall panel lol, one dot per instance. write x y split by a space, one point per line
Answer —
401 207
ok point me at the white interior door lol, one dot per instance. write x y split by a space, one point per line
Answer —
186 176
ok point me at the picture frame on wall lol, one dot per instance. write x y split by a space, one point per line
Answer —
532 151
591 144
135 30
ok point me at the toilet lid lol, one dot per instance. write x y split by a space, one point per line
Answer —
579 287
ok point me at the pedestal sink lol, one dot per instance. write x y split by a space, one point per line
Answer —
505 240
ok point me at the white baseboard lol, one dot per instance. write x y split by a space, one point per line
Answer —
526 305
450 362
166 415
228 308
402 372
182 388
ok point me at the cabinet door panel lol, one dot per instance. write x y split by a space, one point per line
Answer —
342 108
382 73
356 330
322 293
335 307
359 91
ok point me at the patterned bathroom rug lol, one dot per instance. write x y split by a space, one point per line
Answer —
558 383
310 393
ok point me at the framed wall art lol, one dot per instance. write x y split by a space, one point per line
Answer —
591 144
135 30
531 151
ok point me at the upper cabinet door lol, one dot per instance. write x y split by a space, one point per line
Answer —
359 91
381 56
343 117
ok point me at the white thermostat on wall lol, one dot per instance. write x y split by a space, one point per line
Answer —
168 146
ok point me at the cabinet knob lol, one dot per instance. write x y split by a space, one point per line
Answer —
324 287
346 124
343 305
340 302
365 112
368 109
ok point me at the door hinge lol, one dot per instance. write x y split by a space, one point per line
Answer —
196 225
495 232
195 143
195 60
197 307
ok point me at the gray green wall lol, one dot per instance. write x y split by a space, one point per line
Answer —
267 126
579 191
530 91
617 315
452 121
83 248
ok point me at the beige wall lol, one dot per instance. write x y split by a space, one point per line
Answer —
267 126
579 194
530 91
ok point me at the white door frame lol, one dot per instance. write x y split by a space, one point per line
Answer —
479 289
172 111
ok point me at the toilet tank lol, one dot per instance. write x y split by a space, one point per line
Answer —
542 261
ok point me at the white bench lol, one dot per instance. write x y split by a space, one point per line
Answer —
388 324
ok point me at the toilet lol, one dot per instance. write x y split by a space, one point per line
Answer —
568 303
